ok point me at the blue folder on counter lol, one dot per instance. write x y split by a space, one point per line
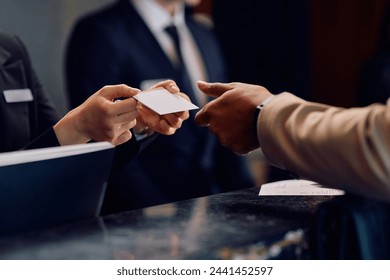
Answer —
51 186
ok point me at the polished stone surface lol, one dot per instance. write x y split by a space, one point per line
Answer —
230 225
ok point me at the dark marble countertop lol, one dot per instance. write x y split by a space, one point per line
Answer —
230 225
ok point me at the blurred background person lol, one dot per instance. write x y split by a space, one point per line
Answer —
139 42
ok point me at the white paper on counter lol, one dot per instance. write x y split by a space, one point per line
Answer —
297 187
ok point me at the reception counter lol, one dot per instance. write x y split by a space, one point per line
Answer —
233 225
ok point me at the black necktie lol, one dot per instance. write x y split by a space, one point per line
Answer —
172 32
183 81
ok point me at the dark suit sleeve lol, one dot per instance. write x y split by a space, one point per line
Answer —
45 140
128 150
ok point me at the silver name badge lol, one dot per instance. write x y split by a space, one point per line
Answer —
18 95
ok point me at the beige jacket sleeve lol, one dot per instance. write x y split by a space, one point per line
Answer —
338 147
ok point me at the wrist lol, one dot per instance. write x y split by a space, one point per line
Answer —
67 132
257 113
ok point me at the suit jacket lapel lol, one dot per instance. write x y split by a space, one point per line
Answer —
4 56
9 73
139 30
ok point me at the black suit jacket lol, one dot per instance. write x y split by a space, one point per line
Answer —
114 45
22 122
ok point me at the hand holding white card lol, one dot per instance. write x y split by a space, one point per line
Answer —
163 102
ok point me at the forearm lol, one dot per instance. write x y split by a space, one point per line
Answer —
126 152
334 146
67 132
45 140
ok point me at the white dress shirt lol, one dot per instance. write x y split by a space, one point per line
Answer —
157 19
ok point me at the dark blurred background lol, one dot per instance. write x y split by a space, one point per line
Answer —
316 49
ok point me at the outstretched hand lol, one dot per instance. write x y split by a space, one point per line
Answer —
231 115
100 117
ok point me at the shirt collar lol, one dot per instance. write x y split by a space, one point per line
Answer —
156 17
